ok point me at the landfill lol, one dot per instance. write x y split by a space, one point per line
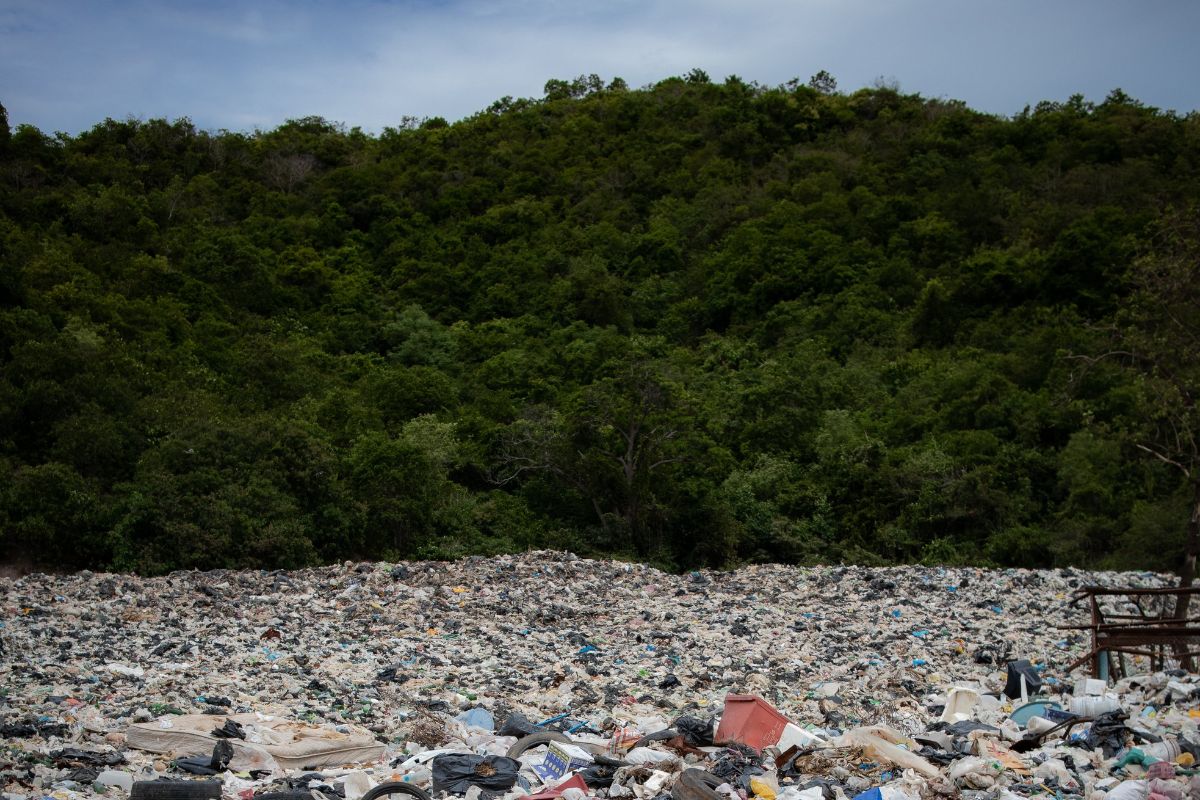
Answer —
547 675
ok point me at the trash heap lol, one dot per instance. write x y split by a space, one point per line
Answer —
545 675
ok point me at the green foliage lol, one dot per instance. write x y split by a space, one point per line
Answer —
697 323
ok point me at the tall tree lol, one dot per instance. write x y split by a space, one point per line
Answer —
1156 336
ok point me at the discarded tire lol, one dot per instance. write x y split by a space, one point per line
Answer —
696 784
535 740
396 787
176 790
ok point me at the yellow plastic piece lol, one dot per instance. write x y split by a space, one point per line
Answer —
761 789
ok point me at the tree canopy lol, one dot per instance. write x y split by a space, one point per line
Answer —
696 323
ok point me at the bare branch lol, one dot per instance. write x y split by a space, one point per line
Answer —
1187 472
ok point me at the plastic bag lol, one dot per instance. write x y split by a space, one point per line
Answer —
696 732
518 725
1108 731
1018 669
213 765
478 717
457 772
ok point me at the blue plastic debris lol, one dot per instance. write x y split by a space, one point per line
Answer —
478 717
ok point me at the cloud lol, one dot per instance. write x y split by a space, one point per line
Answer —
226 64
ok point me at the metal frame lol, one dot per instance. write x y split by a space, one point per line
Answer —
1153 632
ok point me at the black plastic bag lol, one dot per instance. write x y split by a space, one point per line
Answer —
73 755
992 654
213 765
1108 731
598 776
230 730
1017 669
696 732
738 765
457 772
518 725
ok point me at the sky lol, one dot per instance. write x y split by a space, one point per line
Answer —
66 65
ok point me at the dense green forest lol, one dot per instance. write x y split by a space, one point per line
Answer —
697 323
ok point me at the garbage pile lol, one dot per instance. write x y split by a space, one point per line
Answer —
544 675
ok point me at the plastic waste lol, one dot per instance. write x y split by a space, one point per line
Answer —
762 789
1134 755
516 724
751 721
1129 790
1023 680
696 731
795 736
112 777
1089 686
1055 769
883 744
960 704
974 772
478 717
215 764
796 793
356 784
1037 708
1108 732
885 793
457 772
419 775
647 755
574 782
1166 750
1094 705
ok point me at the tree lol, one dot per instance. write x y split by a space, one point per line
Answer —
823 82
5 133
1156 338
611 450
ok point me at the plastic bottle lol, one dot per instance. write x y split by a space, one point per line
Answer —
419 775
1091 706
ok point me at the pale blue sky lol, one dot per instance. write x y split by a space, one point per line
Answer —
67 64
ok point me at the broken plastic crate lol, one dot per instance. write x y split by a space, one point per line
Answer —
751 721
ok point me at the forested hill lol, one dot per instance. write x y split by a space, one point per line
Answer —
696 323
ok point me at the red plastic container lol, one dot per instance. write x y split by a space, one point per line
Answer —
574 782
750 720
